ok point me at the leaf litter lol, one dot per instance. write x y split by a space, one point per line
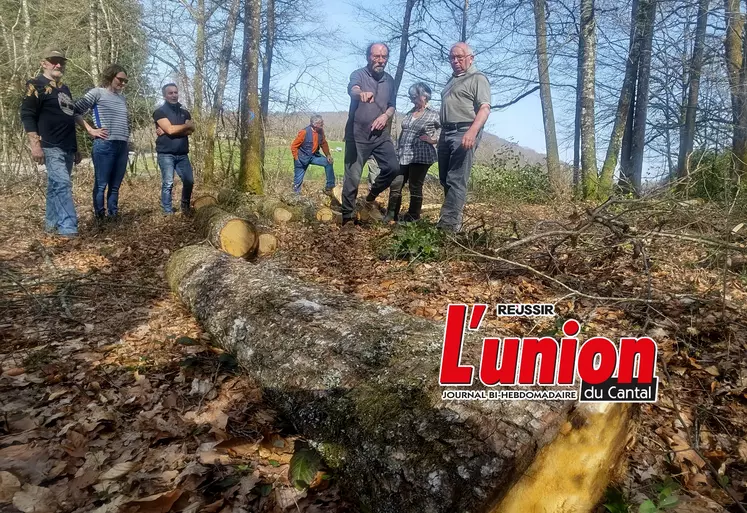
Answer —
114 400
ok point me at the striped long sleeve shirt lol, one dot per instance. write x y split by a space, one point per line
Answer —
109 111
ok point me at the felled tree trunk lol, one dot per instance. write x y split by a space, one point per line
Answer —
204 201
237 237
360 381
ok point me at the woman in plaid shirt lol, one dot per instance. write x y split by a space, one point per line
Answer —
416 153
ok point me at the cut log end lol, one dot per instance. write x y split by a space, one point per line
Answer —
327 215
204 201
268 244
281 215
238 238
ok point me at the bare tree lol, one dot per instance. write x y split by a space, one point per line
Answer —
588 43
250 170
548 117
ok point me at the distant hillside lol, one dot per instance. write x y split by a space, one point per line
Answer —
285 127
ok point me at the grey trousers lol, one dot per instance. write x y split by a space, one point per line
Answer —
356 155
454 167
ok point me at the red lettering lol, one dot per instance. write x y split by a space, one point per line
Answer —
452 372
547 347
567 361
478 312
597 346
490 372
645 349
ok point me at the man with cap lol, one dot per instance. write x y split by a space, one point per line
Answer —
465 107
48 119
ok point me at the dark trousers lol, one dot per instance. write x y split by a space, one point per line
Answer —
356 155
414 175
454 167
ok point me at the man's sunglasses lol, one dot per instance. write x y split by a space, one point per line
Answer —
56 60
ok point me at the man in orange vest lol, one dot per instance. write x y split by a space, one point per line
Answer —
305 149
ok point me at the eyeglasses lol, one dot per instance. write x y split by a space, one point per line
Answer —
459 57
122 80
54 61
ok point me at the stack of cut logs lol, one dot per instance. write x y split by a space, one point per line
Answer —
241 225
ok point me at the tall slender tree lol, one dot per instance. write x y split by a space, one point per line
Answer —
250 118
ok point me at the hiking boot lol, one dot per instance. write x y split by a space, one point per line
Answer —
349 226
409 218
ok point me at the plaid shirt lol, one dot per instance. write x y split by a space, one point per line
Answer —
411 148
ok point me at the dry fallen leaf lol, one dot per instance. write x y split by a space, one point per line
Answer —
238 447
118 470
684 453
712 370
742 448
158 503
9 485
35 499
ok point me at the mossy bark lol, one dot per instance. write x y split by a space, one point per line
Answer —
360 381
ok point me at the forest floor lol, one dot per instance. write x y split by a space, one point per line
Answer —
114 399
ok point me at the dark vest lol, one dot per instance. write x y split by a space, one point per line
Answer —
176 145
305 151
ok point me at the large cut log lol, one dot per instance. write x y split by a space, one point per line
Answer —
360 381
277 210
237 237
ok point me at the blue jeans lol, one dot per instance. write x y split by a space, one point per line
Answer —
60 214
299 170
110 166
183 167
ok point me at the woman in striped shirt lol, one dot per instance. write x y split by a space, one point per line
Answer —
416 153
111 136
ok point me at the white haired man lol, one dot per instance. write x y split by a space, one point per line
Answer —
465 107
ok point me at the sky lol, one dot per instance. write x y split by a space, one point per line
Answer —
520 123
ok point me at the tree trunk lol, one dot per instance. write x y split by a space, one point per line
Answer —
267 61
588 138
216 108
577 191
404 42
251 165
641 104
687 132
234 236
200 44
360 382
465 11
26 38
638 15
92 38
734 52
548 116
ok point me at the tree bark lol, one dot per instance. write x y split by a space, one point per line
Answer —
404 42
360 382
267 60
638 14
251 165
234 236
92 41
588 42
548 116
641 104
216 108
687 132
577 190
734 52
465 11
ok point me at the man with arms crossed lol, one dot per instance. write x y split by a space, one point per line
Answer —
174 126
465 107
372 106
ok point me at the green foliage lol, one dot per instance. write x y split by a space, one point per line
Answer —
508 177
304 465
710 176
420 241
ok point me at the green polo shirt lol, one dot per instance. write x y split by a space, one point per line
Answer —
463 96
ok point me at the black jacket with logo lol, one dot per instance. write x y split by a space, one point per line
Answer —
47 109
176 144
